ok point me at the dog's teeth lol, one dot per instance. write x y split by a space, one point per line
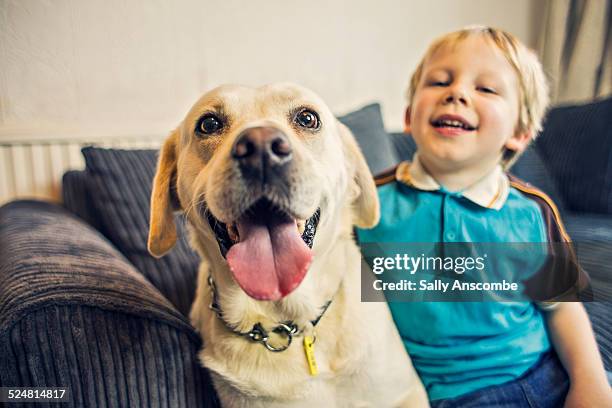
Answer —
233 232
301 224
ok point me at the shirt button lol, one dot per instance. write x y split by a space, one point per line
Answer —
450 235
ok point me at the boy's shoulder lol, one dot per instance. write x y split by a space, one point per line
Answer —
398 173
386 176
552 218
563 264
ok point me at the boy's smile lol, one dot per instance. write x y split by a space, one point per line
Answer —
465 110
452 125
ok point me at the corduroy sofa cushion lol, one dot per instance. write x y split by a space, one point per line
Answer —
369 130
48 255
75 196
74 313
531 168
577 145
119 184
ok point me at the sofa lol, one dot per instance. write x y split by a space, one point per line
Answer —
84 306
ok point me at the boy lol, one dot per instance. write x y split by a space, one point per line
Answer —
476 100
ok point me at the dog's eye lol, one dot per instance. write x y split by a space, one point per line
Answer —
209 124
307 119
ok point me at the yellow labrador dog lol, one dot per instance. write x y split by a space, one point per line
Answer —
272 185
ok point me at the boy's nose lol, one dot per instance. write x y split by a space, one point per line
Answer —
456 95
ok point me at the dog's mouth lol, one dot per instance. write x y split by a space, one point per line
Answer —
267 250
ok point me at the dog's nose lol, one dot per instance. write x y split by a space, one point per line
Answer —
261 149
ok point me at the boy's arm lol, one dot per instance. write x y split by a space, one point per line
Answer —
571 334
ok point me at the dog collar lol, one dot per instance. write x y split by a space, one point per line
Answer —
258 333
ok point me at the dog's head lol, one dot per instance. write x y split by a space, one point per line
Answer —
258 170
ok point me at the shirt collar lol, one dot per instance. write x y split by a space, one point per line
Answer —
490 192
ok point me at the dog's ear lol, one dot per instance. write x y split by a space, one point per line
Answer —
367 207
162 230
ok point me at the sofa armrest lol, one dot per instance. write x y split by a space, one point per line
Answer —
74 313
48 256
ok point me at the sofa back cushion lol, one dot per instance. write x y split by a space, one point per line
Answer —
369 130
531 168
75 196
577 146
119 184
404 145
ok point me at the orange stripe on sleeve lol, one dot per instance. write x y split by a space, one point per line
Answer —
385 177
551 204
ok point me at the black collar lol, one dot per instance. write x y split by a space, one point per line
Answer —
287 329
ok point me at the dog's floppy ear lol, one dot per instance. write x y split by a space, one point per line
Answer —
162 230
367 207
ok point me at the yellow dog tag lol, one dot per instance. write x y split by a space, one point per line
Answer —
310 357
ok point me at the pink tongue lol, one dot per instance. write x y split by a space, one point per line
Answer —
270 260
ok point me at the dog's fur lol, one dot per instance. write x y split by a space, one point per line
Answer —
360 357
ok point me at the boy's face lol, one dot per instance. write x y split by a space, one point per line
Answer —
465 108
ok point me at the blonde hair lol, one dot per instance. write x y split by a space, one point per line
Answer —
533 85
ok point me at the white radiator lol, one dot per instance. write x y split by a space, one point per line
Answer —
34 168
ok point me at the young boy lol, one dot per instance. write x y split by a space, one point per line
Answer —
476 100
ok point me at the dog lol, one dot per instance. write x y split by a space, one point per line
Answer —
271 184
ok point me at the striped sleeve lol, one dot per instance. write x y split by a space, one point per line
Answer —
385 177
561 278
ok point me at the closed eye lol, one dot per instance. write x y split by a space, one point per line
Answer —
486 89
438 83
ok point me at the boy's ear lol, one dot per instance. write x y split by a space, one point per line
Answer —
407 120
519 141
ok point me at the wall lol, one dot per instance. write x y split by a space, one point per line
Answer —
72 68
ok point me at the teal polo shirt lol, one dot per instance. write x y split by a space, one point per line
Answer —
459 347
